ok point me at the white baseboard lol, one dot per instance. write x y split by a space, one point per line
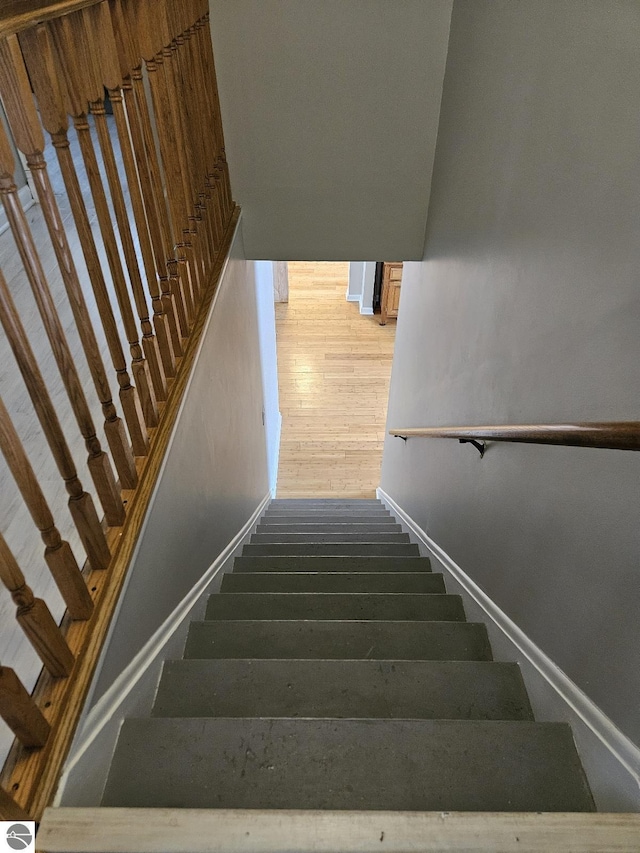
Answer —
367 311
106 708
353 297
621 748
276 459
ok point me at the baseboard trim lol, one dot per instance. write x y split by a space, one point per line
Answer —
276 459
114 696
616 742
366 311
353 297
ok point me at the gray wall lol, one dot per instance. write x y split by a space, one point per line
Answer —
330 112
526 308
215 473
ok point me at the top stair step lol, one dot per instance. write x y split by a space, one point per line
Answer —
312 503
278 518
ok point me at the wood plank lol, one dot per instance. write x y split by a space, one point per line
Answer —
69 830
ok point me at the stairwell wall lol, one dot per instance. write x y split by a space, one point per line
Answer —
526 308
214 476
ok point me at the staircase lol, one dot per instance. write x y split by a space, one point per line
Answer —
333 671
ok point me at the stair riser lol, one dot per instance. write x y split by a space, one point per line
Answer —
323 503
329 518
414 765
333 582
335 527
342 689
349 536
339 640
347 549
331 564
395 606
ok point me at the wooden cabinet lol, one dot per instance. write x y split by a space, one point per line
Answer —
390 297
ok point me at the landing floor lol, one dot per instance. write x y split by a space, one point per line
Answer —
334 368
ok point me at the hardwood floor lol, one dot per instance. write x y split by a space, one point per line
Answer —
334 366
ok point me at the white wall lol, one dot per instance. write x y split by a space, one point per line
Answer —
264 274
330 146
360 287
214 476
526 308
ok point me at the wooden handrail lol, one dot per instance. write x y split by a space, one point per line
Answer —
611 435
18 15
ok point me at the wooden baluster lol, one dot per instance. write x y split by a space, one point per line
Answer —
71 70
218 162
38 55
58 554
98 461
22 116
169 150
190 115
91 85
146 160
80 503
9 809
173 287
192 232
21 714
34 617
103 46
212 90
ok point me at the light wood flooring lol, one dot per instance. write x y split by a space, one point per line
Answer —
334 366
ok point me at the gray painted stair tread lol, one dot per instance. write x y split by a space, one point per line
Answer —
334 605
346 549
415 765
333 582
352 689
338 640
277 520
346 536
331 564
329 527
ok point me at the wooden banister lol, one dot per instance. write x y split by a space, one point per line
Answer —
153 227
611 435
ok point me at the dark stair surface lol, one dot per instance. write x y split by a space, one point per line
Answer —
333 671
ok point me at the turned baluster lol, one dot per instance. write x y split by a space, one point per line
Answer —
39 59
34 617
70 69
149 176
9 809
212 89
189 121
89 86
194 237
169 152
22 116
80 502
164 248
105 52
58 554
22 715
98 461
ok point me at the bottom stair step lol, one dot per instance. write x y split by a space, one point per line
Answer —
445 690
415 765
